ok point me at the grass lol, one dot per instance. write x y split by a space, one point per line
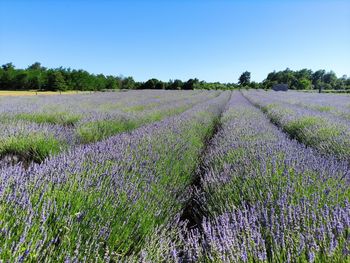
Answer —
59 118
34 93
296 127
319 133
99 130
108 106
324 108
35 147
138 108
161 114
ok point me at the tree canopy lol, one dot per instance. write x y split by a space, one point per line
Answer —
37 77
244 79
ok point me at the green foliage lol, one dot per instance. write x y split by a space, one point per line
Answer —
174 85
312 131
324 108
60 118
305 79
315 131
191 84
244 79
304 84
98 130
55 81
36 77
138 108
295 128
152 84
35 147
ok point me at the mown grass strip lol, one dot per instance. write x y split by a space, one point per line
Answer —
59 118
29 148
98 130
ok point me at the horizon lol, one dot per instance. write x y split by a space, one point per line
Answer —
211 41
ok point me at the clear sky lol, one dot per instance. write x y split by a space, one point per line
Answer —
212 40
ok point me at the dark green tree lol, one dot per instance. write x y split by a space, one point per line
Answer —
8 67
20 81
35 66
111 83
7 77
34 82
176 84
128 83
244 79
150 84
304 84
55 81
190 84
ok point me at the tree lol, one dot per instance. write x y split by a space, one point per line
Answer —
330 78
7 76
21 80
34 82
190 84
81 80
8 67
128 83
304 84
304 74
176 84
55 81
99 81
149 84
254 85
244 79
35 66
111 83
317 78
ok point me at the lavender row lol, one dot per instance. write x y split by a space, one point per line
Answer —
335 104
37 120
326 132
263 198
100 202
271 198
96 106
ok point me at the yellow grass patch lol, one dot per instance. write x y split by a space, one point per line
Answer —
34 93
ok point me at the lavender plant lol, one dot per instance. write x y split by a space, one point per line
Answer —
325 132
99 202
261 195
263 198
34 128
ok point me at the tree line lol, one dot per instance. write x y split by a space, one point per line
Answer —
37 77
304 79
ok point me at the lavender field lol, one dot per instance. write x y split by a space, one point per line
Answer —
175 176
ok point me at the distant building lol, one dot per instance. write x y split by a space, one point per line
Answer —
280 87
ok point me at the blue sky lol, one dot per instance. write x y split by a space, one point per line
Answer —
212 40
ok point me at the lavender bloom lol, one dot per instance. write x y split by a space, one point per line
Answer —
269 198
102 200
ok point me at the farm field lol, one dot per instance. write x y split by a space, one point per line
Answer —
175 176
